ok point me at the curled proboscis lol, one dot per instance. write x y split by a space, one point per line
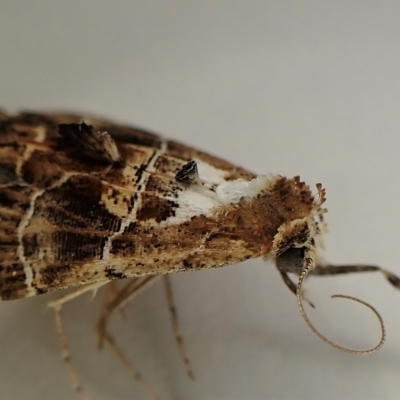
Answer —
303 275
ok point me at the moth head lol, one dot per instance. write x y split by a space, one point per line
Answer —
294 250
295 241
300 238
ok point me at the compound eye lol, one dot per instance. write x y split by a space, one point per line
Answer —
292 260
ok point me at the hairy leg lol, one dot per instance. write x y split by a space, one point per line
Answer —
325 270
175 327
115 301
56 305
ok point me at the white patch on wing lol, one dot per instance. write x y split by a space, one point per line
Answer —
210 174
21 249
258 184
193 201
196 200
233 191
199 200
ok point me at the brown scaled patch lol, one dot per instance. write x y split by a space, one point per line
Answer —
161 185
12 279
42 169
157 208
291 198
168 165
112 274
54 276
290 235
7 173
75 206
14 202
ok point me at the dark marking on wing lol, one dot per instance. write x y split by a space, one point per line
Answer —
187 264
112 274
12 279
143 167
155 207
123 247
188 173
7 172
94 143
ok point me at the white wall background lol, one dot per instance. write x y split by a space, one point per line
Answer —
291 87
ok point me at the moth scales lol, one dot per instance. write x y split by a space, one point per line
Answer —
85 201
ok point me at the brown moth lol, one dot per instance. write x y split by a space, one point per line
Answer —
84 201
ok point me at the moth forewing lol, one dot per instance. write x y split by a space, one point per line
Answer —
84 201
78 208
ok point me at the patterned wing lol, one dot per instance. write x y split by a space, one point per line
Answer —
81 204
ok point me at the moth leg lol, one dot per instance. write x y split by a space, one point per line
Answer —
288 282
56 305
112 290
293 287
175 327
321 270
119 300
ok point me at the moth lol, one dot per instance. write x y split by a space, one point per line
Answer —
85 201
